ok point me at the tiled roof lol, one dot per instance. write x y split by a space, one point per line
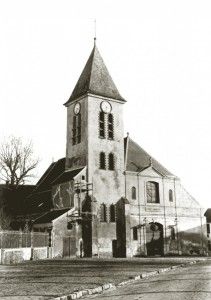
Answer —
54 170
138 159
50 216
40 199
67 176
95 79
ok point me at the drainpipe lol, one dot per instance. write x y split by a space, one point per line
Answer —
176 218
164 212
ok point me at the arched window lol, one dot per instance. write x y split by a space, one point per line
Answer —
110 126
102 161
152 192
103 214
102 124
76 131
111 161
133 193
112 213
170 195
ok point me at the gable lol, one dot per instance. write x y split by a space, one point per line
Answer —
150 172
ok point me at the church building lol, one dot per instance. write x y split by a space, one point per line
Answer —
108 197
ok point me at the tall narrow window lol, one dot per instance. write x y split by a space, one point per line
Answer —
170 195
133 192
78 128
112 213
208 228
102 161
103 214
110 126
135 233
152 192
111 161
102 124
76 132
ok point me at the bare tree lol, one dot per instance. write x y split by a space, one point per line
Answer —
16 161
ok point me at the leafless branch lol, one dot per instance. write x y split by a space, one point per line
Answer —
16 161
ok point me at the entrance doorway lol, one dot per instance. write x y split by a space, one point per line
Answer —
154 239
114 248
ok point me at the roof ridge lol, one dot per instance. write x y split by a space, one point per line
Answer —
91 68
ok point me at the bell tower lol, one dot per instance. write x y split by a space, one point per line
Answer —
95 138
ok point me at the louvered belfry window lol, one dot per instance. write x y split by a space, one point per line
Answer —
152 189
112 213
102 124
102 161
111 161
76 131
110 127
103 214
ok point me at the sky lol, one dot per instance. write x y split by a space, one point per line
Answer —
158 54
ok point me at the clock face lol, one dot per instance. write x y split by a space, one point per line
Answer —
106 107
77 108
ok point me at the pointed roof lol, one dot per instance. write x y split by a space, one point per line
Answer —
95 79
137 159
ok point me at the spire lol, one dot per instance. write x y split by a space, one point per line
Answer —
95 79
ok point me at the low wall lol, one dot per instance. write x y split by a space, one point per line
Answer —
18 255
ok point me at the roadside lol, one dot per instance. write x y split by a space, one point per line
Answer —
49 279
192 282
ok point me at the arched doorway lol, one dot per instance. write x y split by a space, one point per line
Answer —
154 239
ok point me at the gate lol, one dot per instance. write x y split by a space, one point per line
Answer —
69 246
154 239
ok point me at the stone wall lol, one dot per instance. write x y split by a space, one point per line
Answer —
18 255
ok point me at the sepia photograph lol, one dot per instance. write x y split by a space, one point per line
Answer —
105 150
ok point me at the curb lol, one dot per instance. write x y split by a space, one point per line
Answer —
111 286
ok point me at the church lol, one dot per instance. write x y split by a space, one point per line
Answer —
108 197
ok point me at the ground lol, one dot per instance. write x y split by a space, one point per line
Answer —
191 283
51 278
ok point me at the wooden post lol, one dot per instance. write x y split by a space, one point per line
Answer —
32 246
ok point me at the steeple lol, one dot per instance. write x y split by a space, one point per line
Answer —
95 79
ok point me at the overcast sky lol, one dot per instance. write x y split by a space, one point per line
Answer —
158 53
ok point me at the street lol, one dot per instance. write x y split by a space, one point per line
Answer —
47 279
191 283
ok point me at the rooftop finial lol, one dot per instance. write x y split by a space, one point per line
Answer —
150 161
95 34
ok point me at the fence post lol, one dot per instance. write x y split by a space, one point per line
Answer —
20 238
2 251
32 246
